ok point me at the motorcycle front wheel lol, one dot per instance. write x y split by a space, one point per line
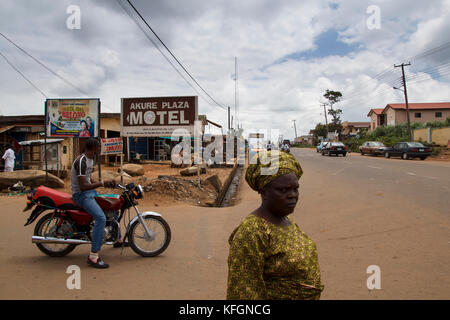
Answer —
47 226
151 246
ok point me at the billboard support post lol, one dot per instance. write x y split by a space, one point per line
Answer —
121 168
45 144
99 137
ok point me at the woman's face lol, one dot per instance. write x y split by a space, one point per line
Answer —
280 196
83 126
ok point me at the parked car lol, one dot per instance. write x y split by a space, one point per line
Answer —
407 150
320 146
334 148
372 147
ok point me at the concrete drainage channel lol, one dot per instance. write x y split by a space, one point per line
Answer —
229 190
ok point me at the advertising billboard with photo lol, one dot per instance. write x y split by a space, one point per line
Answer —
157 116
72 117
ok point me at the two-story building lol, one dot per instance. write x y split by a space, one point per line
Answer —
395 113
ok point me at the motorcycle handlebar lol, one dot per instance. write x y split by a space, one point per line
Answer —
118 185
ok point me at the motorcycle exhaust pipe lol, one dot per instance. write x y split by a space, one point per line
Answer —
38 239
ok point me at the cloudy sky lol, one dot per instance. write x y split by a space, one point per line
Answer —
288 52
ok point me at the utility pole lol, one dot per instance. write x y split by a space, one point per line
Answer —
236 91
403 65
295 128
229 118
326 120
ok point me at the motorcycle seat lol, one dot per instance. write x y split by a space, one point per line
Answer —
59 199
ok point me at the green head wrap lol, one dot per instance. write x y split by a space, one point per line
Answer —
258 174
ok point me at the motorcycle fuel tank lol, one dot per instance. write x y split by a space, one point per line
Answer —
110 202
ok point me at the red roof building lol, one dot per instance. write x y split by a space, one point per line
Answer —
395 113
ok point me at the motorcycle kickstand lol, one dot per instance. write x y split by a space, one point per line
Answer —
123 245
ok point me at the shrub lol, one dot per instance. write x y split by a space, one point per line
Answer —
435 151
435 124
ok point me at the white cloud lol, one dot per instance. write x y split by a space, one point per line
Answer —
110 57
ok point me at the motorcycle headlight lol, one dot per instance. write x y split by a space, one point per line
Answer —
138 192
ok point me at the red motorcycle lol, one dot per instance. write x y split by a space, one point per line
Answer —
67 225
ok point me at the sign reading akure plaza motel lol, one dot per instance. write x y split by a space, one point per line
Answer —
157 117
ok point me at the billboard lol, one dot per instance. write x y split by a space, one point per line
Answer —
72 117
111 146
157 116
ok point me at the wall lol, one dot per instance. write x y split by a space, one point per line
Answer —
440 136
429 115
426 116
67 158
110 124
420 134
373 121
390 117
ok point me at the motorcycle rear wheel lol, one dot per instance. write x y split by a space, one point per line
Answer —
42 229
139 241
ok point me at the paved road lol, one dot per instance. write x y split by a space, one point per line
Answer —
361 211
393 213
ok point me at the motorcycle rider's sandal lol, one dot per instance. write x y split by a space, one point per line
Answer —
99 264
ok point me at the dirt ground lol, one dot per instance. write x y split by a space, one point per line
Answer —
443 156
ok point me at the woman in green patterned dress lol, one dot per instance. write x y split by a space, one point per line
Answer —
270 257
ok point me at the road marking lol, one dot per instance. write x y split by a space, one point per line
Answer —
347 162
375 167
411 174
430 177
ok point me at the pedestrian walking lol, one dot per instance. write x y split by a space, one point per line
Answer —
9 158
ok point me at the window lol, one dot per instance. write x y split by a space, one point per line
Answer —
438 114
418 115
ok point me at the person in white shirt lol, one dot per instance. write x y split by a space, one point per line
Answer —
9 159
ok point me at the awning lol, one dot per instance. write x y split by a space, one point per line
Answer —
3 129
39 142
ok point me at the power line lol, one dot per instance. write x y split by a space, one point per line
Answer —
23 76
430 52
44 66
170 52
160 51
391 78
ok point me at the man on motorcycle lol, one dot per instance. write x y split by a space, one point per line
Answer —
83 189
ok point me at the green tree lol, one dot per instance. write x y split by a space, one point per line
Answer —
319 131
332 97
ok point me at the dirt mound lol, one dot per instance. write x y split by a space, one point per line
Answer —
202 194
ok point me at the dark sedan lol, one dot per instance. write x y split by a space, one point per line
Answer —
372 147
407 150
334 148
